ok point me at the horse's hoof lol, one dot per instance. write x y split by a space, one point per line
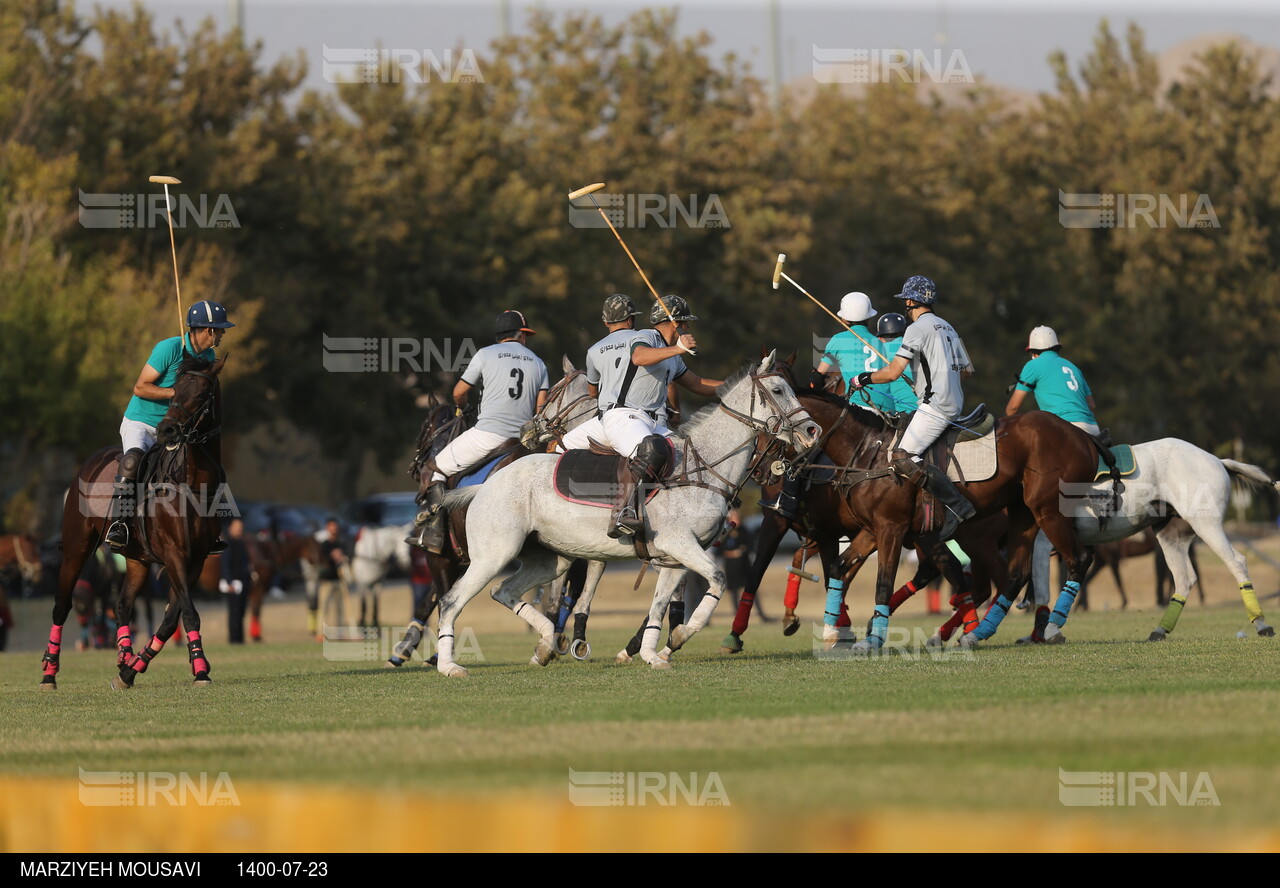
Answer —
119 684
623 657
453 670
861 649
202 680
432 660
935 642
562 644
732 644
1058 638
1158 635
579 649
679 636
46 684
1267 632
968 642
659 663
393 663
544 653
1029 639
791 625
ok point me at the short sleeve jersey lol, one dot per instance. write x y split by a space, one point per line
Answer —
936 356
165 358
512 376
1059 387
624 384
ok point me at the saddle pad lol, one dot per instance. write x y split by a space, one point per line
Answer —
973 460
590 479
480 475
1124 462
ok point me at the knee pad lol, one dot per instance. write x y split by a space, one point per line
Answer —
653 454
129 463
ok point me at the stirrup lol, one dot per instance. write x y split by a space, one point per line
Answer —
117 535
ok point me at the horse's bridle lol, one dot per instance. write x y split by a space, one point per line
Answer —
555 426
188 431
777 420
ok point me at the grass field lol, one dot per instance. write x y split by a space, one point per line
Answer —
969 747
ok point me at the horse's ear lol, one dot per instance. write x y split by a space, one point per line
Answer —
767 364
763 352
566 364
217 365
791 361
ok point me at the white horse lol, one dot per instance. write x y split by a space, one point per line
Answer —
518 514
375 549
1184 492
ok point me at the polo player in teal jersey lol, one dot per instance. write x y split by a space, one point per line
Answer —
1059 388
206 323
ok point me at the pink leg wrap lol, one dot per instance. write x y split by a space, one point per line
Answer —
198 662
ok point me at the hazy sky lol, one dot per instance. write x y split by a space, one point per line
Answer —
1007 41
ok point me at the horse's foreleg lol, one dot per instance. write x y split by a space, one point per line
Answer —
772 529
579 647
538 567
692 556
665 589
183 582
129 664
889 544
1022 534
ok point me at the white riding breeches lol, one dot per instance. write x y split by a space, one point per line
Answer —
926 426
136 435
621 428
467 449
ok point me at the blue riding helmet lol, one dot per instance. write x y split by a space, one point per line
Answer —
208 314
919 289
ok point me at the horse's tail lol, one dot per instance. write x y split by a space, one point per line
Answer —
461 497
1243 474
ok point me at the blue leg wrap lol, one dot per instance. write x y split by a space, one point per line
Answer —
835 595
1066 598
991 622
879 626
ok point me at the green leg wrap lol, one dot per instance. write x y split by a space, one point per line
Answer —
1251 606
1172 612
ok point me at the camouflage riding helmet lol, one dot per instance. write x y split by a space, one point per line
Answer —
919 289
678 307
617 308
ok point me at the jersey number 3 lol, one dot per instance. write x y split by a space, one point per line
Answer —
1071 380
516 390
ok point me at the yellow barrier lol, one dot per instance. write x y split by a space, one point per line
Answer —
47 816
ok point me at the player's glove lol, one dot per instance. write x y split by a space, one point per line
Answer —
862 380
817 381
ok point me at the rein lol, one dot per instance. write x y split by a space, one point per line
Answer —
553 428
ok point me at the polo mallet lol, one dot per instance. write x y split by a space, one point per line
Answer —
166 181
590 190
778 274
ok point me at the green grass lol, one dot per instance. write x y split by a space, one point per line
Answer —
781 728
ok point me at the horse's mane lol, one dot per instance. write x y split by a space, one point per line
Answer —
868 418
193 362
689 426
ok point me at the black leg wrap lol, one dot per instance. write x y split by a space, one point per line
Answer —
579 627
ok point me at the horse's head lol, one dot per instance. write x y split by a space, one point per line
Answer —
194 412
26 553
762 398
430 440
569 404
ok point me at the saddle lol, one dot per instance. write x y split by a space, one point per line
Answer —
966 451
593 478
1124 461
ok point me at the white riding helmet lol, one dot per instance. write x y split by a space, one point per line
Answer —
856 307
1042 339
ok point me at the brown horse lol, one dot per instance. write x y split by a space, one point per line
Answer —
1037 453
177 526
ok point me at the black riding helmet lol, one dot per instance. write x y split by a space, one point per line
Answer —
891 324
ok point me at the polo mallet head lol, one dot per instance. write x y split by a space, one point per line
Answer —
777 270
591 190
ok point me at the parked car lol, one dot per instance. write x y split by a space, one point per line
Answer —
382 510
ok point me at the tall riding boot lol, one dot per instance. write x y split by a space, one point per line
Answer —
123 499
428 526
957 507
647 467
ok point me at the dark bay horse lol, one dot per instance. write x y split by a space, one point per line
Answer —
1037 452
178 526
